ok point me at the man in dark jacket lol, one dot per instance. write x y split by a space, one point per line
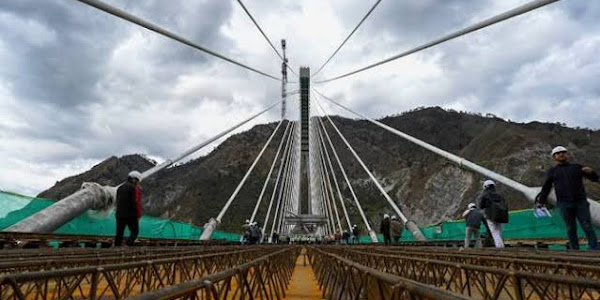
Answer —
129 208
473 218
346 237
246 232
395 229
570 196
355 234
384 228
495 211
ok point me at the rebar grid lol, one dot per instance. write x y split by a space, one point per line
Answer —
12 240
120 280
266 277
341 278
479 282
50 253
583 257
528 264
49 263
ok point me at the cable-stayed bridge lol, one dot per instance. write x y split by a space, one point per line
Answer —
306 175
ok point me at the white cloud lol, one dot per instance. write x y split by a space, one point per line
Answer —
78 85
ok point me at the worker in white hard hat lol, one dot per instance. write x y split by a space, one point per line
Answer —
129 208
384 228
495 211
571 198
246 232
473 218
396 228
355 234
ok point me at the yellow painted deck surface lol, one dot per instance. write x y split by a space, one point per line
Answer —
303 284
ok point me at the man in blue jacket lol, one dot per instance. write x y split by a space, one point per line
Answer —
570 196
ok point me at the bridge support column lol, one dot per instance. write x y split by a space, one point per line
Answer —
91 195
209 228
373 236
414 230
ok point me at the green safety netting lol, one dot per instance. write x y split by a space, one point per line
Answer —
14 208
522 225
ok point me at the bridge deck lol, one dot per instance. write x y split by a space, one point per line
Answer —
298 272
303 284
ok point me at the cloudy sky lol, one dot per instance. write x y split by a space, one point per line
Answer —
78 85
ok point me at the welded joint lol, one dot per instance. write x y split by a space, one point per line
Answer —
209 228
103 196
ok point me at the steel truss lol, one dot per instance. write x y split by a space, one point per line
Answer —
121 280
266 277
479 282
341 278
48 263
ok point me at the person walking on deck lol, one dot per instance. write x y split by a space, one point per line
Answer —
571 198
384 228
495 211
396 228
473 218
246 232
355 234
129 208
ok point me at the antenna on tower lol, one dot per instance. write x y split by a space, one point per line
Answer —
284 80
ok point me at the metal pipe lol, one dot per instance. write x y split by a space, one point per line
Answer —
319 173
288 192
277 212
264 188
91 195
133 19
329 188
411 226
214 222
529 192
372 233
279 172
337 186
487 22
327 183
95 196
169 162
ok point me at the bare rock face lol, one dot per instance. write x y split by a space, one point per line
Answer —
444 194
427 188
111 171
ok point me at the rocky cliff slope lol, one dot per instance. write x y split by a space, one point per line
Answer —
427 188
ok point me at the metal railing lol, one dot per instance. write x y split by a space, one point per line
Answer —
480 282
264 278
120 280
547 256
49 263
341 278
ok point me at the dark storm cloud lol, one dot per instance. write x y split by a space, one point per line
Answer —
81 85
63 68
63 71
515 69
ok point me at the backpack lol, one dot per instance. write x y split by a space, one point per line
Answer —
498 210
255 232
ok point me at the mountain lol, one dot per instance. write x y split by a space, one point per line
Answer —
428 188
111 171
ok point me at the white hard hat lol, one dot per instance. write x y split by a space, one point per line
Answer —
558 149
386 216
488 183
471 205
354 225
393 217
136 175
247 221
